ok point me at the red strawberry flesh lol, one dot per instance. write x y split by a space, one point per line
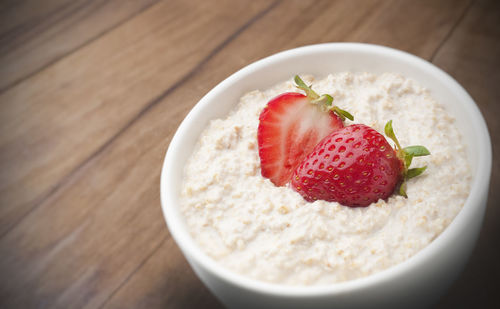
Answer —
289 128
354 166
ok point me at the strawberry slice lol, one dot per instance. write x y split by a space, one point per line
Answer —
290 126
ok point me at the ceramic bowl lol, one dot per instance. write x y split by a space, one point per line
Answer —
416 282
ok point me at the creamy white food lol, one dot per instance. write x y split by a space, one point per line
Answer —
272 234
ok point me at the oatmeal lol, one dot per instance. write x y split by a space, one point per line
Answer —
271 233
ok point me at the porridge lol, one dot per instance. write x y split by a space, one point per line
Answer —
270 233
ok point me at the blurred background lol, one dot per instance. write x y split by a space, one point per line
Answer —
91 92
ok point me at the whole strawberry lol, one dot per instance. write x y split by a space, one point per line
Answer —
290 126
356 166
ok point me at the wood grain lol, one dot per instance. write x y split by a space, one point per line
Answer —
53 122
79 168
34 34
98 199
174 286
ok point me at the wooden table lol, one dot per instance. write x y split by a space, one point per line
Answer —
91 93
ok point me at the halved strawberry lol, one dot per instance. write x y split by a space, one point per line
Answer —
290 126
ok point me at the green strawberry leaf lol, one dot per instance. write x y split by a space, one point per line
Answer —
325 101
328 99
388 130
343 114
390 133
402 189
309 92
408 159
406 155
414 172
417 151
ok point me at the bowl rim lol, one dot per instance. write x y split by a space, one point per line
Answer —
190 249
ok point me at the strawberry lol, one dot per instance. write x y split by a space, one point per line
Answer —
290 126
356 166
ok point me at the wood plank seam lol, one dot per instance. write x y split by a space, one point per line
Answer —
87 13
134 271
144 110
36 23
449 34
159 99
40 27
70 52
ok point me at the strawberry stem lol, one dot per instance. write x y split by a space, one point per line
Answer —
308 90
406 155
325 100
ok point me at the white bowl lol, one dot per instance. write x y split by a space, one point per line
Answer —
418 281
